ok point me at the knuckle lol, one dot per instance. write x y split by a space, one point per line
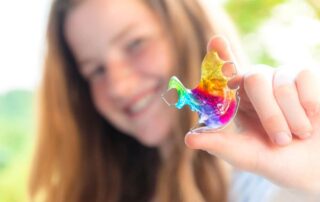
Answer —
311 107
305 73
274 124
286 91
253 79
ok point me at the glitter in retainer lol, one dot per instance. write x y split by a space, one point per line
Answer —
215 103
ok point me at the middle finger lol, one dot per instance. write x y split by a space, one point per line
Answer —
259 89
287 97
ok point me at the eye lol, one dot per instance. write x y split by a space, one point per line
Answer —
96 73
135 45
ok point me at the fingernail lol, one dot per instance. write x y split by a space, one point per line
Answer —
209 152
305 135
192 133
283 138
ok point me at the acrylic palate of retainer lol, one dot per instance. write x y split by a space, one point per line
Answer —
215 103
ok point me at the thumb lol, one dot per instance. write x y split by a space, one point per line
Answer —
239 150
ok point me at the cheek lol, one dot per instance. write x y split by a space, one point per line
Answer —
100 100
108 109
157 61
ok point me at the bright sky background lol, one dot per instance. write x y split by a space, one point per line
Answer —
22 33
291 35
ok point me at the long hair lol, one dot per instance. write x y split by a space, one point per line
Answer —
81 157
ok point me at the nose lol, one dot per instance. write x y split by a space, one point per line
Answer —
121 79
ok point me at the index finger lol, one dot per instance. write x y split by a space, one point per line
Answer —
222 47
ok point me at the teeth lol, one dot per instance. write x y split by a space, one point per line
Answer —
142 103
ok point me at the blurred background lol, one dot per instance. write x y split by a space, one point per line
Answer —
273 32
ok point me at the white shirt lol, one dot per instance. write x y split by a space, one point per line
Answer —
247 187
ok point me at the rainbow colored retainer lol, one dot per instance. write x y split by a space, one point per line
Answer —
215 103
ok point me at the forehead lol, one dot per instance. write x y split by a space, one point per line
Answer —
111 11
97 19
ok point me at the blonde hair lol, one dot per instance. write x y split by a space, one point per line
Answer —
76 161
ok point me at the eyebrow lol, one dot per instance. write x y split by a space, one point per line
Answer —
114 39
123 33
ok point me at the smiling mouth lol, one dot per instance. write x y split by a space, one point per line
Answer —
142 102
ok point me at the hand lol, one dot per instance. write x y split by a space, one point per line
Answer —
277 133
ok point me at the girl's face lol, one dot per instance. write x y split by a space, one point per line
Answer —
126 56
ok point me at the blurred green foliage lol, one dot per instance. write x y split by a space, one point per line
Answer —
16 125
316 5
249 14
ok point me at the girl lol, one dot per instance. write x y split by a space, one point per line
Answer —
105 134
